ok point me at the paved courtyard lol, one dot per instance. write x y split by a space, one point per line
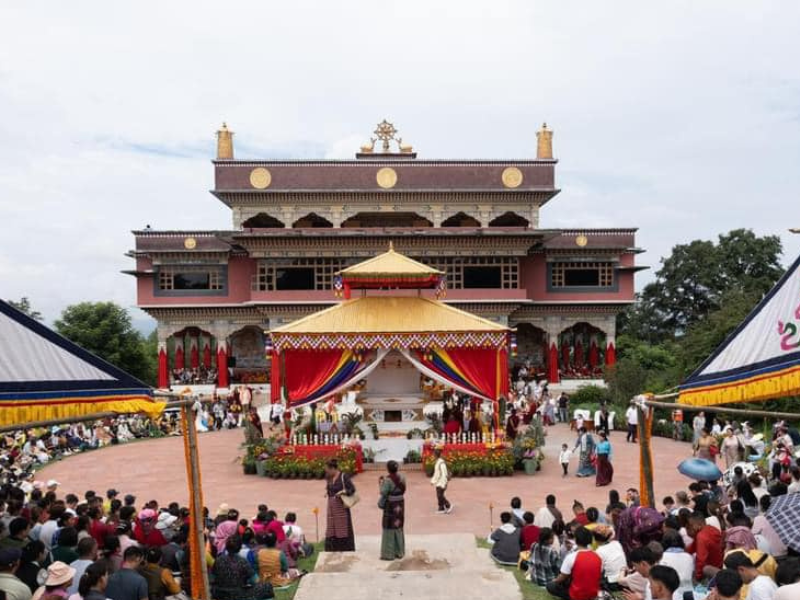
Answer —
154 469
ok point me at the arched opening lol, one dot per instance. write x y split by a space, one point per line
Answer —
263 221
509 219
248 360
531 360
191 354
387 219
461 219
582 351
311 221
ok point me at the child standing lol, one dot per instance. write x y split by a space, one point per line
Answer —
564 457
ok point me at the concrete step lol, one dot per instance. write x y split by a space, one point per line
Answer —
435 566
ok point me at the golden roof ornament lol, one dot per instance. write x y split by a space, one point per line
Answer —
224 143
544 145
386 134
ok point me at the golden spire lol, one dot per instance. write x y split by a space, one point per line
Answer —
224 143
544 145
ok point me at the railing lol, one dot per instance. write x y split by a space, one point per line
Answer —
335 439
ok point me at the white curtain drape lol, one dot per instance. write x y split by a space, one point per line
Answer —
436 377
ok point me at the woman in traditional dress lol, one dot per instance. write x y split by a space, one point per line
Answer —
586 445
706 447
339 535
698 424
392 492
731 447
605 470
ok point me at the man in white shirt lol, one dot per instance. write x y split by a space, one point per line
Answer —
632 418
11 587
761 587
788 576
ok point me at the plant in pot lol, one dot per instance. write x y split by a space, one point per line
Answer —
530 461
249 465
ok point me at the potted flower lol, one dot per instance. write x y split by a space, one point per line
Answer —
249 465
530 461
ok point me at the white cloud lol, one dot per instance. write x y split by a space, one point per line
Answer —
681 118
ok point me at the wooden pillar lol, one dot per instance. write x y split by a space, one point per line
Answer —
197 546
645 427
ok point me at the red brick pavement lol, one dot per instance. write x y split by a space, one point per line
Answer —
154 469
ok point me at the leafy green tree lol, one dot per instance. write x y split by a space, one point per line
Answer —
105 329
698 278
24 305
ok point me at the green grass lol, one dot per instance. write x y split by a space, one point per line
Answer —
528 590
304 563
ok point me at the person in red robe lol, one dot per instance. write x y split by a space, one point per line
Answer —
452 427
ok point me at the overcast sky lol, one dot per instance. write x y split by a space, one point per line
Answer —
680 118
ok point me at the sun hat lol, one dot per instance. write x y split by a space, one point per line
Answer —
59 573
223 509
52 483
147 514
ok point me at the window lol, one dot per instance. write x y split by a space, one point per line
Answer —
191 278
294 279
298 274
582 274
482 277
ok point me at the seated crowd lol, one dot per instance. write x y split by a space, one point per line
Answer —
98 548
197 376
706 542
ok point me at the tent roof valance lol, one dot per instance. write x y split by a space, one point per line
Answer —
45 376
390 322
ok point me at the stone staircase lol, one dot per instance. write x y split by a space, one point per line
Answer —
435 567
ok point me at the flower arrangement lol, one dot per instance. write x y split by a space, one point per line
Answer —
471 463
287 464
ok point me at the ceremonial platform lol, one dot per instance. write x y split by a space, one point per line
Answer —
435 567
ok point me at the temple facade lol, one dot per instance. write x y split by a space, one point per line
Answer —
296 223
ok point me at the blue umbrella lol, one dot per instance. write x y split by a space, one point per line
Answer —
700 469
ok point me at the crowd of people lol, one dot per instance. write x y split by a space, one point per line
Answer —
111 547
197 376
706 542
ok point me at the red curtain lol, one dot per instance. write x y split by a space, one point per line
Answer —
593 354
180 359
194 355
578 354
163 369
275 380
611 355
308 370
207 355
565 355
222 367
479 366
504 382
552 363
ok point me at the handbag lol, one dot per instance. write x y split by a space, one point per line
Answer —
349 500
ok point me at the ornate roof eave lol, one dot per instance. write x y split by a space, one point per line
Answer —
333 162
394 232
239 197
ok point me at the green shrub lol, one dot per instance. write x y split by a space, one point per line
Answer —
590 395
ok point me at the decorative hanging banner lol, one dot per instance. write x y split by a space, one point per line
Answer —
760 359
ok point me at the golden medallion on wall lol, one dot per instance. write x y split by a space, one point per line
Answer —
190 243
260 178
581 240
386 177
512 177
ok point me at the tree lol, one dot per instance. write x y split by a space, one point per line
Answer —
697 278
105 329
24 305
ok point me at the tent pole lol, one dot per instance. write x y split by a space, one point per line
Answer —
645 422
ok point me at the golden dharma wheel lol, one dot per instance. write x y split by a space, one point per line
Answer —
260 178
190 243
581 240
512 177
386 177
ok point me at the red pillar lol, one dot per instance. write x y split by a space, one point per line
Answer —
611 355
180 359
552 364
194 353
163 368
222 365
275 379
